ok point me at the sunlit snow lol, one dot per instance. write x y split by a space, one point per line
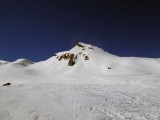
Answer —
101 87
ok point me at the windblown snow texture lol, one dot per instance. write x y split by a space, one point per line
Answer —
84 83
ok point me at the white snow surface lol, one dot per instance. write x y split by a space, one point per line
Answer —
104 87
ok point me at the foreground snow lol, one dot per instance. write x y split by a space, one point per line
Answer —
88 90
50 101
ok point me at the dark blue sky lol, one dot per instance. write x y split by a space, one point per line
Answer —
35 29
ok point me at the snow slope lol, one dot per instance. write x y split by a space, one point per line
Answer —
98 63
84 83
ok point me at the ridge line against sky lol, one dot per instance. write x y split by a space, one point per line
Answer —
37 29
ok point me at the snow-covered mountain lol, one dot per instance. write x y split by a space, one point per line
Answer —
83 59
95 60
84 83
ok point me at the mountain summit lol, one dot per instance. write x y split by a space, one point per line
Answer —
82 59
90 60
81 52
83 83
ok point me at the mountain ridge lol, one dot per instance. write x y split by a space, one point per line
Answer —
82 83
88 60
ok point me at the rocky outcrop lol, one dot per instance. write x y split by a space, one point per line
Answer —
79 45
109 68
70 57
71 62
86 58
91 48
54 55
7 84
